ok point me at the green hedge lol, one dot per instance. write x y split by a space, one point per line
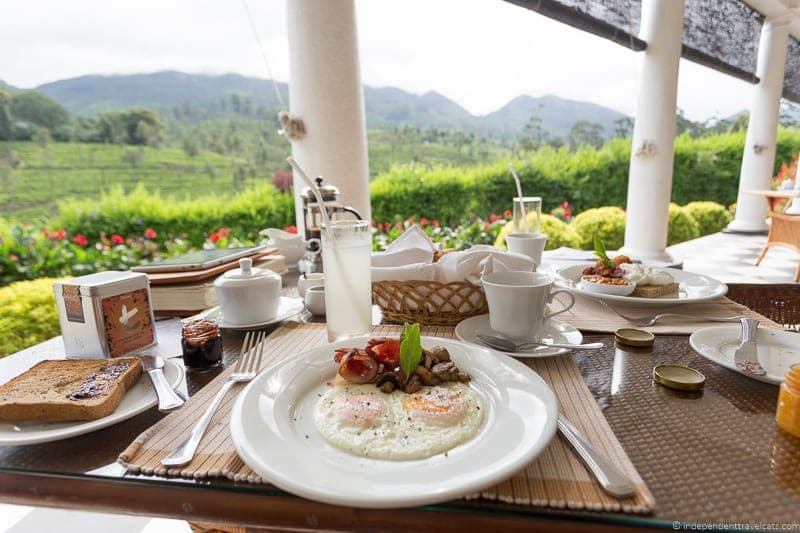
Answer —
704 168
243 215
607 222
711 217
559 233
27 314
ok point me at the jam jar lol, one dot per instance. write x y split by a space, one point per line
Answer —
202 344
788 413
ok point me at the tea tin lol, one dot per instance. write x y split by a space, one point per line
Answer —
108 314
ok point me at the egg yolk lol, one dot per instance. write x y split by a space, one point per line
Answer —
361 410
438 407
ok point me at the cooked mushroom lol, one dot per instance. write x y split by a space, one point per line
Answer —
440 353
414 385
428 377
445 370
463 377
388 382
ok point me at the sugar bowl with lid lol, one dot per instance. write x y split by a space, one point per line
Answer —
248 295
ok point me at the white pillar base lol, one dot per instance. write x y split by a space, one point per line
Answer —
647 256
747 226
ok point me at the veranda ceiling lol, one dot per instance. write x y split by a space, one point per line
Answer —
720 34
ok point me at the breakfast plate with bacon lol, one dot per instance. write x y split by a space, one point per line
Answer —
368 423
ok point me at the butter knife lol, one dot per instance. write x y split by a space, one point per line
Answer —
167 398
611 479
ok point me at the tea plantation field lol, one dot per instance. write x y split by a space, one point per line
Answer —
39 176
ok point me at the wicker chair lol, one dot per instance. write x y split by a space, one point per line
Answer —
783 231
778 302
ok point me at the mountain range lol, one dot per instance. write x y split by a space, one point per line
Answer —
386 107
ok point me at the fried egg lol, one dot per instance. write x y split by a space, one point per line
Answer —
364 421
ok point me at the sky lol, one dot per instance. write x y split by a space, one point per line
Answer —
479 53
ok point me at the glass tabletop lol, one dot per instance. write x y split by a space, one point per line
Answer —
714 456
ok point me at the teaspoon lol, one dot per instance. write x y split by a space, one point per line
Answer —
508 346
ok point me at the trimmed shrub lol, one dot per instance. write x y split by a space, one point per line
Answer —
559 233
243 214
607 222
27 314
711 217
682 226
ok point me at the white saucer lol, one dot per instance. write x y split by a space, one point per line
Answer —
777 350
287 308
553 331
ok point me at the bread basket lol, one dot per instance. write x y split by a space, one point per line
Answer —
430 303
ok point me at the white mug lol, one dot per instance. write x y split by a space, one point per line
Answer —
315 300
529 244
305 282
517 302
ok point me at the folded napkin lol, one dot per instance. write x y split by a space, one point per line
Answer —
410 257
413 246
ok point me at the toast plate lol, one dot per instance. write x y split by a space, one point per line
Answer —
693 288
138 399
777 350
273 430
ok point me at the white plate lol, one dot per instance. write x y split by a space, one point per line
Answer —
553 331
693 288
777 350
287 308
272 426
138 399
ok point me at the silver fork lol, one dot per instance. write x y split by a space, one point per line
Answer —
246 369
644 321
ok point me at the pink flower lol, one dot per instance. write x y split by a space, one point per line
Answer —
222 232
150 233
80 240
14 258
507 213
486 226
435 223
423 221
410 221
117 239
494 218
399 226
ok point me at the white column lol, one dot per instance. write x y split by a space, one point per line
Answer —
325 92
650 177
759 147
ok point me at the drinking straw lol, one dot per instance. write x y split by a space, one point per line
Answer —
315 191
521 200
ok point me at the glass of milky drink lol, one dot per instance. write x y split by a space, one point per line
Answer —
346 250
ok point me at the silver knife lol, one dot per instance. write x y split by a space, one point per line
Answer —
611 479
167 398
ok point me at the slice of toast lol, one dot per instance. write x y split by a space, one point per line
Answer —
654 291
68 389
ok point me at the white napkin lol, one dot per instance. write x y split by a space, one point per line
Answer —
412 272
413 246
471 264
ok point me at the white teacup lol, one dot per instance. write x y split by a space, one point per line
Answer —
315 300
305 282
517 302
529 244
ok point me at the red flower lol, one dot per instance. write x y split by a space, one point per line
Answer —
399 226
222 232
47 234
117 239
287 229
507 213
13 257
494 218
150 233
214 237
565 205
435 223
409 221
80 240
423 221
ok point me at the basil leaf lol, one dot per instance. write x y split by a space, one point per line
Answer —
600 250
410 350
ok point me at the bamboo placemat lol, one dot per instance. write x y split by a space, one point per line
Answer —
555 479
588 315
